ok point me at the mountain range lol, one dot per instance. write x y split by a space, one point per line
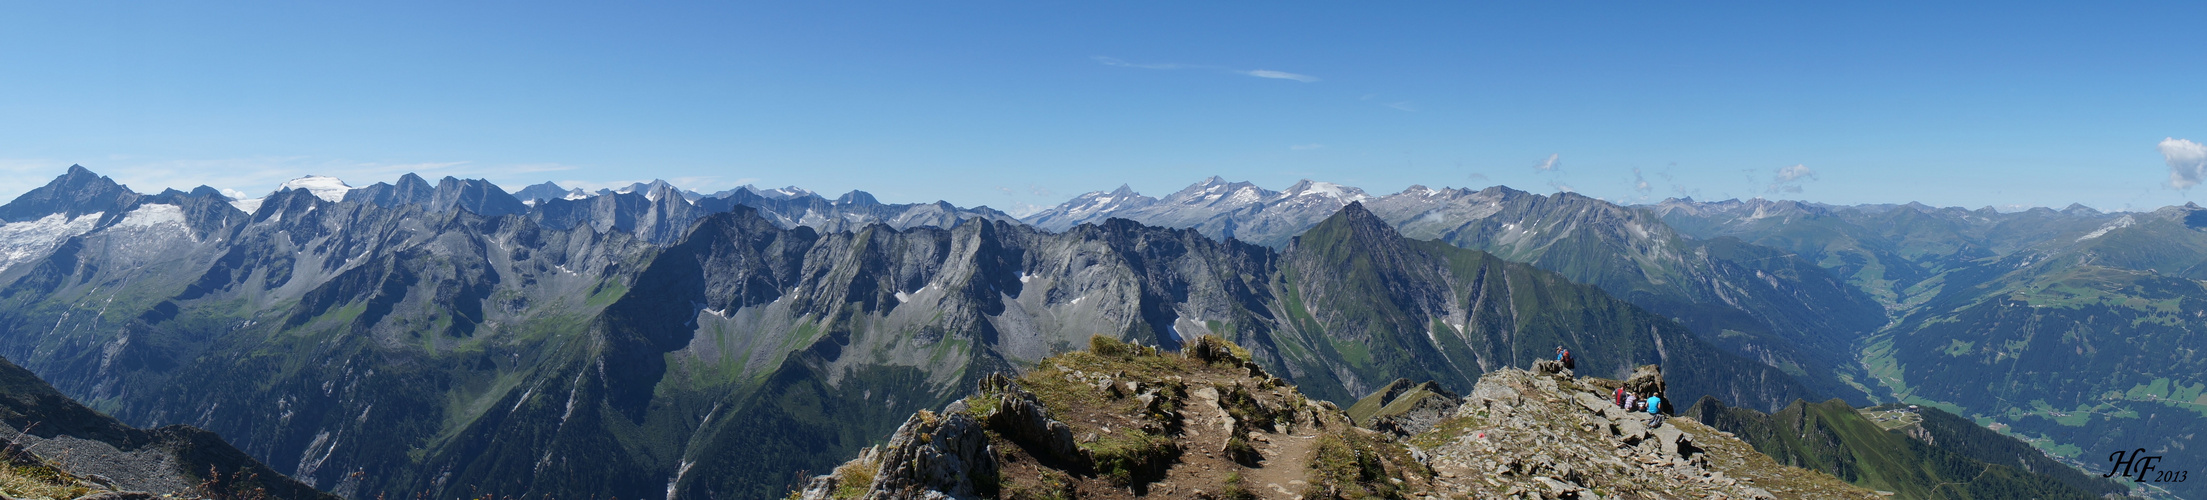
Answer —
416 338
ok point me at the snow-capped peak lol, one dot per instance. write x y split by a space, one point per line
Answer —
1098 202
327 188
1327 189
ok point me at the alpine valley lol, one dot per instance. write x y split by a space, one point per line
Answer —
452 339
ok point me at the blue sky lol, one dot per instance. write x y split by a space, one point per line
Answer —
1004 104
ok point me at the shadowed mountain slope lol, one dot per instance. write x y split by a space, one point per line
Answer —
1752 300
47 429
1836 439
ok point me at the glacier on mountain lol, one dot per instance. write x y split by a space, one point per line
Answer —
28 240
329 189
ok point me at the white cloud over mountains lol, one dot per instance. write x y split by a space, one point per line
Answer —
1551 164
2187 161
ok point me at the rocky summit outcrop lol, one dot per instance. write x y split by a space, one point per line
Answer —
1124 421
1520 434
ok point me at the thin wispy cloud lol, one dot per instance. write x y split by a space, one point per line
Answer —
2187 161
1023 209
1640 182
1402 106
1677 188
594 186
1113 61
1281 75
1259 73
1032 189
708 183
1553 163
1788 179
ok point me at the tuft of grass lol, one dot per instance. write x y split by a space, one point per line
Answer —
1248 413
981 405
1239 451
1109 347
1349 466
853 478
1446 432
1132 457
1212 349
1049 484
20 480
1235 488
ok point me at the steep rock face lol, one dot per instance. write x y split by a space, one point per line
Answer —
474 195
47 428
659 219
409 190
